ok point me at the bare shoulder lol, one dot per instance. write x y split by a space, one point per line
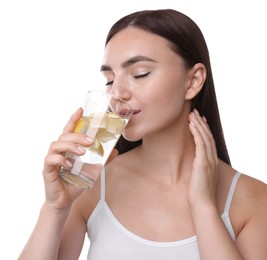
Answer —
249 190
87 201
253 191
249 201
251 205
248 211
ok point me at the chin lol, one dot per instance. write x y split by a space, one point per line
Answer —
130 136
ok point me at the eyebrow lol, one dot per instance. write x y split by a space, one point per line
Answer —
128 62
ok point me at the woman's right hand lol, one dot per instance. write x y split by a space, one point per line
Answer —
59 193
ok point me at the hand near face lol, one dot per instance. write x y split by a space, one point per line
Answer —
204 171
59 193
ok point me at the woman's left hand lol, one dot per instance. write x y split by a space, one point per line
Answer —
204 172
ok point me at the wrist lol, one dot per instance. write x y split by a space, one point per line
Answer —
51 210
204 208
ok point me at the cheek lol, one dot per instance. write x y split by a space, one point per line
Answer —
169 101
168 90
161 106
167 108
154 118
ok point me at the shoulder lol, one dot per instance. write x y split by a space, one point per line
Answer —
250 205
248 190
85 204
249 198
116 176
253 192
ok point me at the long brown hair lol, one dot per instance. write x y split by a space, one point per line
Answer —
188 42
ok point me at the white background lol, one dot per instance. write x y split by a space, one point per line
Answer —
50 54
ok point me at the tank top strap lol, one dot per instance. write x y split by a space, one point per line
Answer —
231 192
103 184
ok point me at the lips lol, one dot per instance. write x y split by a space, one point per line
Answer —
136 112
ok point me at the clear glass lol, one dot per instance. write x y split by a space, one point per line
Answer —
104 119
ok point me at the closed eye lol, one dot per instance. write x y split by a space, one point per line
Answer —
109 83
136 77
141 75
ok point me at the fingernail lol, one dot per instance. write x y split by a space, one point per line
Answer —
81 149
192 114
88 139
192 124
196 112
78 110
69 164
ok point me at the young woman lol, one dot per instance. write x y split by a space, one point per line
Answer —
171 193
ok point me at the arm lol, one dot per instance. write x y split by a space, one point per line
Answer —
213 238
252 239
45 240
251 242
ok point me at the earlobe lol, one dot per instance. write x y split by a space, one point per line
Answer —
197 80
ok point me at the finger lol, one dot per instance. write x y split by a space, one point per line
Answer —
208 140
199 142
201 122
69 127
76 138
60 147
211 142
203 137
56 160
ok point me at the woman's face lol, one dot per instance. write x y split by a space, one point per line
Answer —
141 68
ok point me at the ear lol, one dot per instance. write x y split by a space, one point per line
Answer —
196 81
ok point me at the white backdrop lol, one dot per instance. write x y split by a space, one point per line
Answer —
50 54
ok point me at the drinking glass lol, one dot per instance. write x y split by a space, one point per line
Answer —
104 119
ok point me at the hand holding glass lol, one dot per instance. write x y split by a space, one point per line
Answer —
104 119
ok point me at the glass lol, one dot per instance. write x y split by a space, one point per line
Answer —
104 119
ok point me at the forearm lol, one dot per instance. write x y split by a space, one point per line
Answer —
45 238
214 240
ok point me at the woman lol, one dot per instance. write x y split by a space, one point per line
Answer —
171 193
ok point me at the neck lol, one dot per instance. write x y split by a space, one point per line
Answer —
168 155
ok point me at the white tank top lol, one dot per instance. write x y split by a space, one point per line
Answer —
110 240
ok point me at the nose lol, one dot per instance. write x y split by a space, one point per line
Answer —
120 90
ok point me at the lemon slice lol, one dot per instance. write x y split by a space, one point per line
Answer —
96 147
115 124
104 126
104 136
82 125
